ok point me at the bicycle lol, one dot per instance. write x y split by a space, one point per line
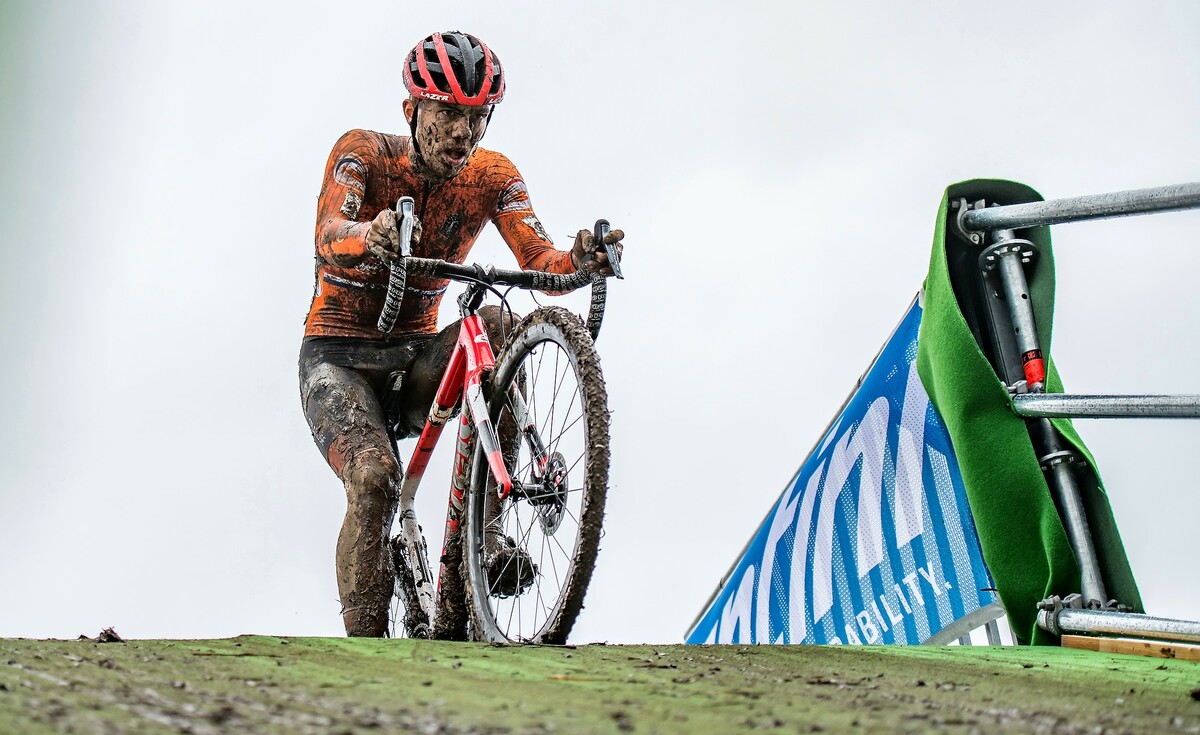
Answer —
530 472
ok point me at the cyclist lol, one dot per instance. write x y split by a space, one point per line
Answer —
454 82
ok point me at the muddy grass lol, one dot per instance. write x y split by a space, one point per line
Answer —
259 684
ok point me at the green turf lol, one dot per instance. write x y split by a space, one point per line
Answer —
273 685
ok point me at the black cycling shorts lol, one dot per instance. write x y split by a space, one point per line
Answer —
342 385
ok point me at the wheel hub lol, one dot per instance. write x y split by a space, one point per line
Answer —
553 497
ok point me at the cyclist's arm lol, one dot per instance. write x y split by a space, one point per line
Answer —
342 226
524 234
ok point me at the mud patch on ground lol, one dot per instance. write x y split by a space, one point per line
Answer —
276 685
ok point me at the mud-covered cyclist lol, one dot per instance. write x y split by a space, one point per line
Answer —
453 81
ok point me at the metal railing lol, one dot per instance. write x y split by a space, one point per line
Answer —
1017 357
1078 209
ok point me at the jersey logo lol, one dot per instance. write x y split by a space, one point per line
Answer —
536 224
514 197
351 205
451 226
349 171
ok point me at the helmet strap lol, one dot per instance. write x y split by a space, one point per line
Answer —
487 122
412 126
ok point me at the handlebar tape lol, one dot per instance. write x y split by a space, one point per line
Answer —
397 275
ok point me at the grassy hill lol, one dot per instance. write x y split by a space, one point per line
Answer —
256 684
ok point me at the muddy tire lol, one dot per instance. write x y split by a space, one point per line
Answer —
555 511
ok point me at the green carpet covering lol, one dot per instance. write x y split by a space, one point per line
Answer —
1024 543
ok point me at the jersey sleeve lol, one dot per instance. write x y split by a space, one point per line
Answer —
523 232
341 234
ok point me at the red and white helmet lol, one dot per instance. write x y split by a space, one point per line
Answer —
454 67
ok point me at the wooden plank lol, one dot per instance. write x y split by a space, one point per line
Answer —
1134 646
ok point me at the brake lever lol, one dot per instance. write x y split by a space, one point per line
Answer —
404 207
610 249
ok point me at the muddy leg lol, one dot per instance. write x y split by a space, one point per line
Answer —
499 324
364 563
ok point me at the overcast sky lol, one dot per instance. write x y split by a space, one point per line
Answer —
777 168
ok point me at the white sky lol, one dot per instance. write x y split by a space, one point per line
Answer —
776 166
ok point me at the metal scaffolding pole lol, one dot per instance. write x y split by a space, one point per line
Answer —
1076 209
1104 622
1061 405
1007 255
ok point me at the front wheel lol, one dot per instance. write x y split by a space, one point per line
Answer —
529 557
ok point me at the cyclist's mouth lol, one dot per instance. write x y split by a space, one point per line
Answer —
456 156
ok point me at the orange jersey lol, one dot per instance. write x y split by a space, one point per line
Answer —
369 171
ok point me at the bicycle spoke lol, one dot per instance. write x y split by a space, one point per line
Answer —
533 384
570 407
558 440
575 464
565 413
516 598
512 605
553 566
545 422
569 426
541 496
541 600
571 515
523 542
564 372
512 610
560 546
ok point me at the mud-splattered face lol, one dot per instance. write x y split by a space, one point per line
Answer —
447 134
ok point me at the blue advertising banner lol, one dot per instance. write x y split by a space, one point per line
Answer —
873 541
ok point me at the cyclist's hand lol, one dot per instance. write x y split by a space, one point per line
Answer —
383 239
587 255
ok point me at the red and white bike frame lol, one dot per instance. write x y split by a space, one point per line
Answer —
462 381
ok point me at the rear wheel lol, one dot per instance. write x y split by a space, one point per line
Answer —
529 557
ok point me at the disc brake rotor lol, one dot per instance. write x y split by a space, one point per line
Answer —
554 494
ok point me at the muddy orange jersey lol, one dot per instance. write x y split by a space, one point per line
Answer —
368 171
